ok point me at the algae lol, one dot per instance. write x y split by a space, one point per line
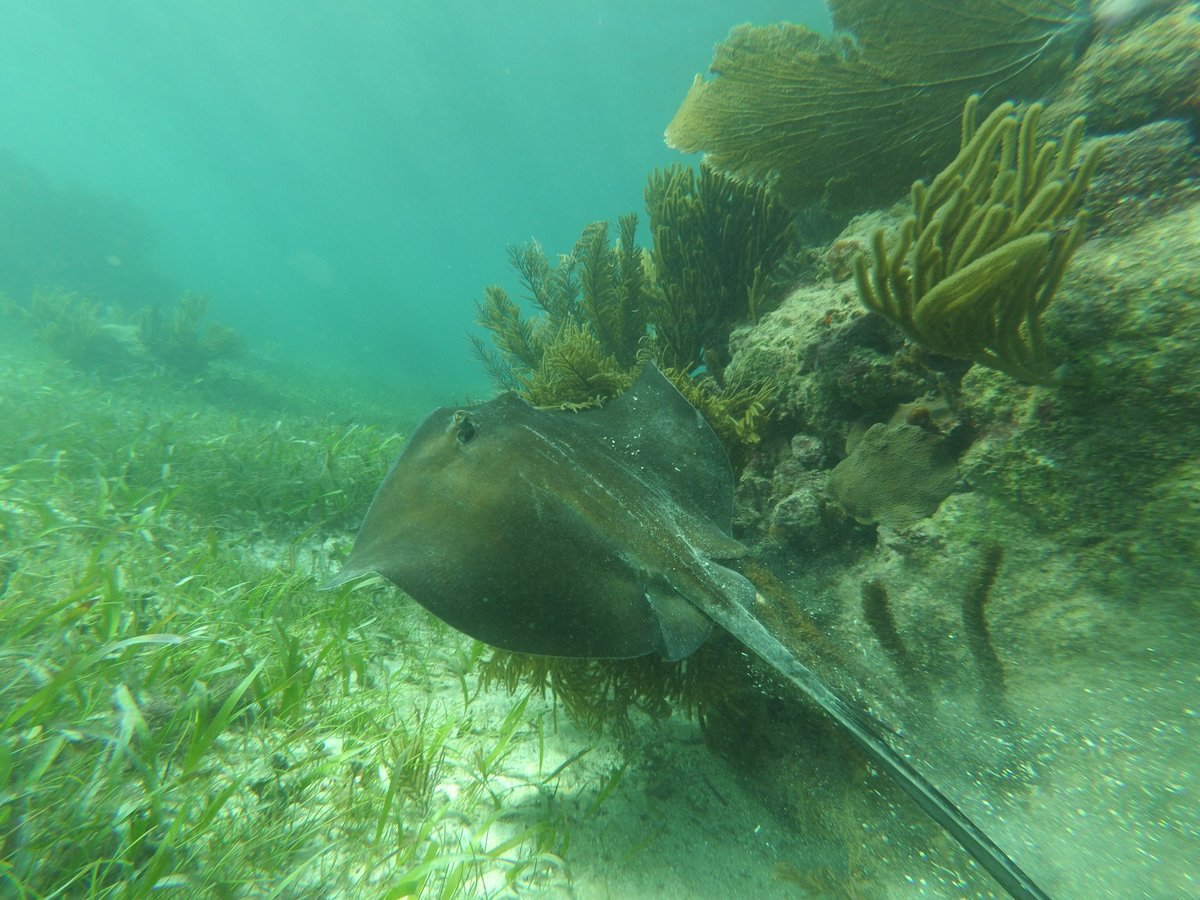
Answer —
582 347
606 307
181 711
180 340
75 327
718 252
602 694
83 332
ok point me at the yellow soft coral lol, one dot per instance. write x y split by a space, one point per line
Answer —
977 262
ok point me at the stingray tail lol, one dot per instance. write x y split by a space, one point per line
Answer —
970 836
745 627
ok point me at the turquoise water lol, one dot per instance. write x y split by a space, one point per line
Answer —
342 179
183 709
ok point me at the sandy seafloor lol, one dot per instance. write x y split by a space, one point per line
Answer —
1107 807
1104 801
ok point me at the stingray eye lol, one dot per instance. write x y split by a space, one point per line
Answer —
464 428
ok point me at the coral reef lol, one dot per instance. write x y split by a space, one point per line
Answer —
978 261
1123 424
1123 324
1100 460
1063 517
847 121
833 364
1079 528
782 502
1132 76
1150 171
184 711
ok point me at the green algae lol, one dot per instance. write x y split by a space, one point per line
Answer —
175 339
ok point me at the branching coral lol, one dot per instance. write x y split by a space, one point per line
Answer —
716 245
976 264
76 328
604 307
594 303
847 120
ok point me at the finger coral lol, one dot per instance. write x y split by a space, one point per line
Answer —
976 264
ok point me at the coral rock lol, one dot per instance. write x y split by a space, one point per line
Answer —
897 475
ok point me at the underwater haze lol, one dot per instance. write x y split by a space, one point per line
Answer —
835 534
342 179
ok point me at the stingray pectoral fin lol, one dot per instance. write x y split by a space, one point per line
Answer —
682 627
682 599
348 573
733 585
711 541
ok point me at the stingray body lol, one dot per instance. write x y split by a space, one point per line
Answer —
595 534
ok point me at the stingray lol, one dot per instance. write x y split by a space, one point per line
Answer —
597 534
